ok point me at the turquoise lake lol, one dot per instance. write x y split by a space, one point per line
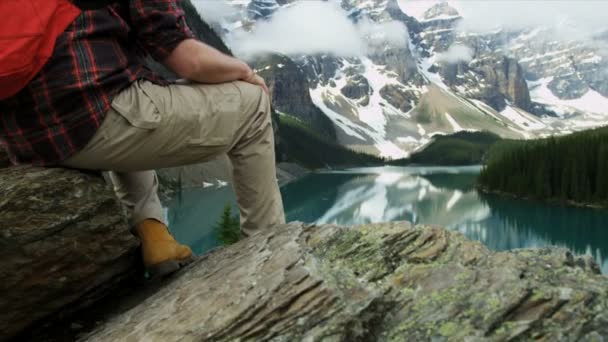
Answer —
429 195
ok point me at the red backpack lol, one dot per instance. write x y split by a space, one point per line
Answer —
28 31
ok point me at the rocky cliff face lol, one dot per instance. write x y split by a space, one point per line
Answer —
488 75
290 92
64 244
495 80
515 83
383 282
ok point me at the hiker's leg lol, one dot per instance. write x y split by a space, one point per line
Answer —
137 192
253 161
152 127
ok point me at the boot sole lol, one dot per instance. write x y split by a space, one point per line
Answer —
167 268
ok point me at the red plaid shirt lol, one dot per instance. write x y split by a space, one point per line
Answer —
98 55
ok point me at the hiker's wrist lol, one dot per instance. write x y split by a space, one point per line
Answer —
245 71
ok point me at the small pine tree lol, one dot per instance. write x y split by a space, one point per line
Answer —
228 227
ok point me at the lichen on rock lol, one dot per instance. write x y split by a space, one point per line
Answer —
377 282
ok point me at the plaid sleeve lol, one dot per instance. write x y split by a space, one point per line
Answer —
160 25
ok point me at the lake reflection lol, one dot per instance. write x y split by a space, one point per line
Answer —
442 196
446 197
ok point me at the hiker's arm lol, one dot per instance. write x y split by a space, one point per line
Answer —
202 63
159 26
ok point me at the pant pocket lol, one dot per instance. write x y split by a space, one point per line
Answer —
135 106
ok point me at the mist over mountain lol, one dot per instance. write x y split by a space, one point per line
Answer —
389 75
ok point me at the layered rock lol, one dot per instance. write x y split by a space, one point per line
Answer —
399 97
493 80
491 76
291 92
376 282
356 87
575 66
64 243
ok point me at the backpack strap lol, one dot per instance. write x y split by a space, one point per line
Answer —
86 5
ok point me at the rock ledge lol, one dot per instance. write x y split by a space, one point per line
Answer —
381 282
64 244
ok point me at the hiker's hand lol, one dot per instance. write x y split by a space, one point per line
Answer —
254 78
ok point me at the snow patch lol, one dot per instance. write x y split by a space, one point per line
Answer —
346 125
421 130
592 101
375 131
408 140
455 125
523 120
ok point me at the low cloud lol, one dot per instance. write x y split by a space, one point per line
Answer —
310 27
392 32
455 54
570 19
214 11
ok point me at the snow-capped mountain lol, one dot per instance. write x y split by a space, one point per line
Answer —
393 98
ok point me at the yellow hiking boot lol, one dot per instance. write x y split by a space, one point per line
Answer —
162 255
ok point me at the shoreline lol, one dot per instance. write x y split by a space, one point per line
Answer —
552 201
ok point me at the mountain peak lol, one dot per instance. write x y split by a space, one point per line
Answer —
442 10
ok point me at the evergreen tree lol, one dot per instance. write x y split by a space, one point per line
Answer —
228 227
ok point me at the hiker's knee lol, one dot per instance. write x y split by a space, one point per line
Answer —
254 98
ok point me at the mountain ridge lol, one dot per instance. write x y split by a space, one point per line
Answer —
504 81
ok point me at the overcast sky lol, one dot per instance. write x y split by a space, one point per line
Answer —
570 17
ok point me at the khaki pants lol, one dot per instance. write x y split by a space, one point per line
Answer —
151 127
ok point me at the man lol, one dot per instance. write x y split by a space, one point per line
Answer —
96 106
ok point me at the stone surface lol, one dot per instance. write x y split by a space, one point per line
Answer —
399 97
356 87
494 80
63 244
383 282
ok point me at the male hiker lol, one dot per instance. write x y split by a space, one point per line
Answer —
94 105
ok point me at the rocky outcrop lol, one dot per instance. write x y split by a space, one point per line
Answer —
320 69
64 243
507 76
490 76
568 87
381 282
399 97
291 92
492 79
356 87
440 11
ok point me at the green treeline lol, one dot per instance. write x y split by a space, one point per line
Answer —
572 168
462 148
301 144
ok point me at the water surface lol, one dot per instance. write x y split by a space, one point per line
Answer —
441 196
